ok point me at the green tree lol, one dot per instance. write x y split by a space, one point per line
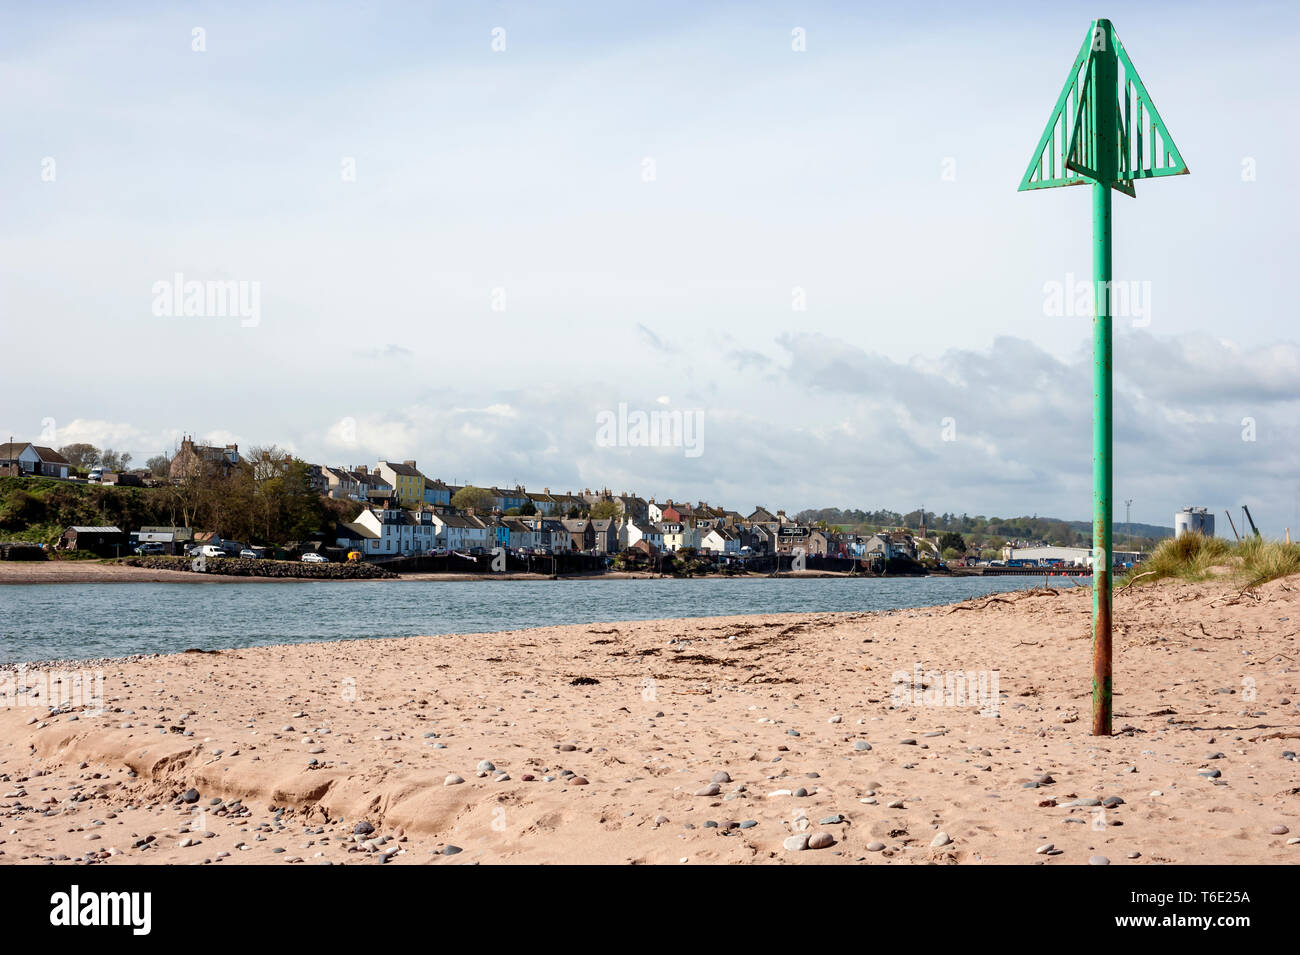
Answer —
81 456
604 510
529 509
478 498
951 540
114 461
159 465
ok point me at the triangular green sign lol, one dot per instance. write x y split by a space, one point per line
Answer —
1081 124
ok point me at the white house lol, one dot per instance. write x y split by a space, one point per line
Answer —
634 531
34 459
720 540
390 531
461 531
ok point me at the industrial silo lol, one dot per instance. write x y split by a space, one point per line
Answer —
1196 520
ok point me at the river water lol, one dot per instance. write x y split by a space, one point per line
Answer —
80 621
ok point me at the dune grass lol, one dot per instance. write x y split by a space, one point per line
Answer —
1264 560
1193 557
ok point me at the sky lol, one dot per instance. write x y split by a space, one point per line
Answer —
466 232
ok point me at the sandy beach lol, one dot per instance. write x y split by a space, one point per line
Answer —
759 739
93 572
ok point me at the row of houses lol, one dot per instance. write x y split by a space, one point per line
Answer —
389 529
404 511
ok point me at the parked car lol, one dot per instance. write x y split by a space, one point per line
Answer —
211 550
252 553
311 557
150 548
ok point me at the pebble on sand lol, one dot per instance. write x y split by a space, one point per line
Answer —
821 840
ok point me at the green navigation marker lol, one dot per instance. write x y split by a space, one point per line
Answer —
1103 131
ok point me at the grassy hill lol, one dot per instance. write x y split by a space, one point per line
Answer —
39 509
980 531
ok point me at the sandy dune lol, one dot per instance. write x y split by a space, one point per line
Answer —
1206 680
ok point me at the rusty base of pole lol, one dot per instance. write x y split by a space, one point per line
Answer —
1101 666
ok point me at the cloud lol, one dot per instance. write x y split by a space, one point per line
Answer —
385 352
654 341
1006 429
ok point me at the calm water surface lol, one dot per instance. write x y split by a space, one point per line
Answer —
77 621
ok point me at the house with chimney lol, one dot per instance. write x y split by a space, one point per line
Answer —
406 480
192 459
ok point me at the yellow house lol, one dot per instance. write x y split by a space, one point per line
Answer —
407 481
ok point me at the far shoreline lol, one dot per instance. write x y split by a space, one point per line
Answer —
95 572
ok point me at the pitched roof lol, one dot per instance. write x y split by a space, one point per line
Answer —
458 520
49 455
356 531
406 470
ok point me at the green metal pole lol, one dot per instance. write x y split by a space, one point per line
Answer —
1080 144
1104 129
